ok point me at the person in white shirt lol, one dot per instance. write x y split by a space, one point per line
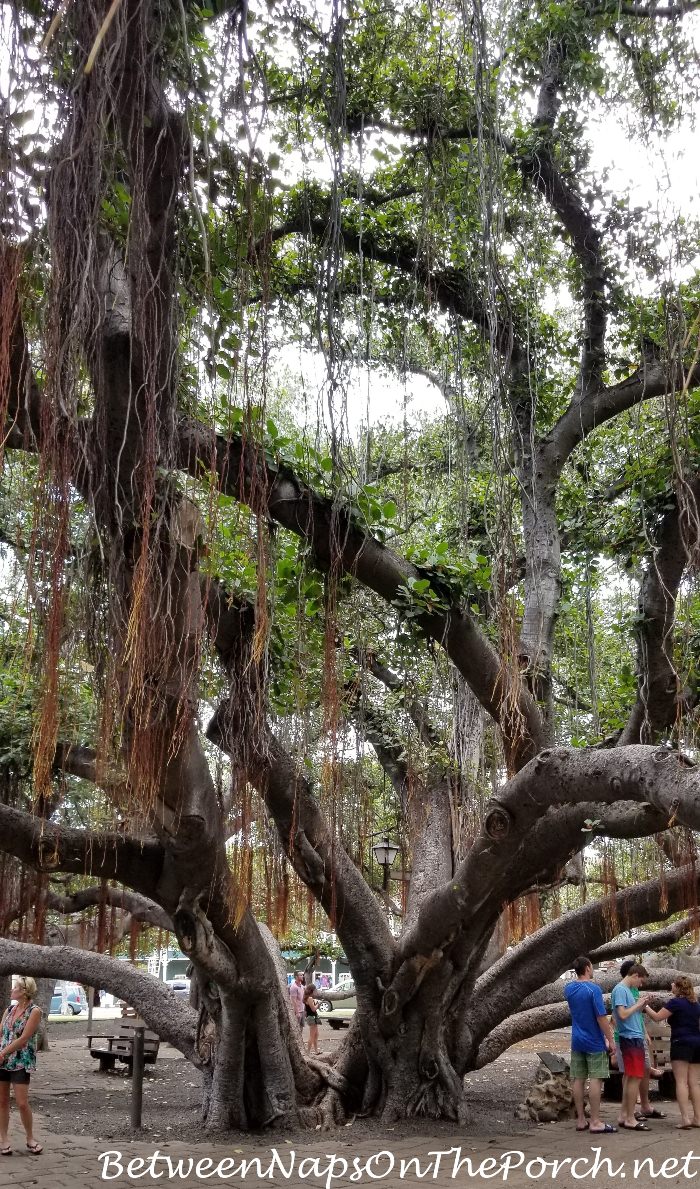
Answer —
296 994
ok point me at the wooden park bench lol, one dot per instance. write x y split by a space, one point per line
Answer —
660 1053
108 1049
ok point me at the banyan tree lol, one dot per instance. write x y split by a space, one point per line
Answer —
250 623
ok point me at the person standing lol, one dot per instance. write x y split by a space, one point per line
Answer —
18 1029
591 1040
311 1012
629 1023
646 1110
296 994
683 1013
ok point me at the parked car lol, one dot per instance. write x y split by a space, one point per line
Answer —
339 1013
75 996
179 987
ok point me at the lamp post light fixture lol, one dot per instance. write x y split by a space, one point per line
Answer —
385 852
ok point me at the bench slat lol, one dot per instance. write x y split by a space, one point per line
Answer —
121 1047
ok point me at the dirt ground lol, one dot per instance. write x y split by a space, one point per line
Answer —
74 1098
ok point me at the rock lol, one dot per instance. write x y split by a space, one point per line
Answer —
554 1063
551 1097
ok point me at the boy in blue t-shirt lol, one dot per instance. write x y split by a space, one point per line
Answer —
628 1012
591 1040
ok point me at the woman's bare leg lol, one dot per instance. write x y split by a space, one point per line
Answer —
680 1072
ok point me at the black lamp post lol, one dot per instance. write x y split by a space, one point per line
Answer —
385 852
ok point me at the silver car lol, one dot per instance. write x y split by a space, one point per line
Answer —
339 1013
179 987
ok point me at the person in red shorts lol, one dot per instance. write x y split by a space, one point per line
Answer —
629 1024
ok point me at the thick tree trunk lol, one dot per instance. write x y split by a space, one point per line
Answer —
430 818
44 993
421 1080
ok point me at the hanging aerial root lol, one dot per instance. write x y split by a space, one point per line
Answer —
103 31
11 260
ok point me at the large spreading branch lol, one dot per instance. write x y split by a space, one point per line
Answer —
653 378
449 287
607 980
340 541
652 12
135 862
524 1024
173 1019
640 943
500 863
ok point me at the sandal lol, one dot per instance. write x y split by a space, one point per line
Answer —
35 1149
636 1127
608 1129
652 1114
584 1128
6 1151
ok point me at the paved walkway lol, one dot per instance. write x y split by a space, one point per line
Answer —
554 1154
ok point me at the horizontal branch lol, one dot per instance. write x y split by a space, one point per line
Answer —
519 1027
47 847
658 979
449 287
173 1019
639 943
654 12
139 907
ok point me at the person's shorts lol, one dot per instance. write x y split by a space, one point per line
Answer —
620 1063
589 1065
618 1056
682 1051
633 1056
20 1077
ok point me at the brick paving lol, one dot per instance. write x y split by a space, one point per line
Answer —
664 1156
